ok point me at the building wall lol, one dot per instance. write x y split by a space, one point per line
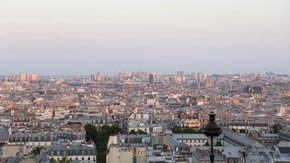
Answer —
86 158
125 155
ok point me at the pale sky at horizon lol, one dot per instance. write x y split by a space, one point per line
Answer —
64 37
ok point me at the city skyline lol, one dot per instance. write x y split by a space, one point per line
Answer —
131 72
60 37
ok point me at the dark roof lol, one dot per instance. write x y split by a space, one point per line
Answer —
284 149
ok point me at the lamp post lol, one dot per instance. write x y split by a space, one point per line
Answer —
212 130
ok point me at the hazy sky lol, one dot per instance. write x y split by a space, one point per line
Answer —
85 36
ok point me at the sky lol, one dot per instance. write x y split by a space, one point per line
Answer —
66 37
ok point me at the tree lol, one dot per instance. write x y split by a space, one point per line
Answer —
106 127
277 127
102 136
218 143
200 130
91 132
233 129
52 160
64 160
183 130
102 157
142 132
189 130
102 139
242 131
37 150
177 130
114 129
133 132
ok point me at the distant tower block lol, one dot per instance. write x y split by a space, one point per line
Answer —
93 77
14 77
99 76
180 74
27 77
151 78
34 77
205 75
193 74
23 77
208 82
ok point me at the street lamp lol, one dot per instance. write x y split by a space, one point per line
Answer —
212 131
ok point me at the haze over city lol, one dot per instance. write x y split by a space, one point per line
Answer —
68 37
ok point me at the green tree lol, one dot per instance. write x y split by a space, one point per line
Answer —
52 160
142 132
242 131
200 130
102 157
102 139
277 127
106 127
177 130
218 143
183 130
64 160
133 132
37 150
102 135
114 129
91 132
233 129
188 130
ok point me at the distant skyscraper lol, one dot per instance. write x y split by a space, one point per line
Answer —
205 75
93 77
133 75
27 77
199 76
151 78
14 77
23 77
180 73
193 74
33 77
208 82
99 76
180 76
